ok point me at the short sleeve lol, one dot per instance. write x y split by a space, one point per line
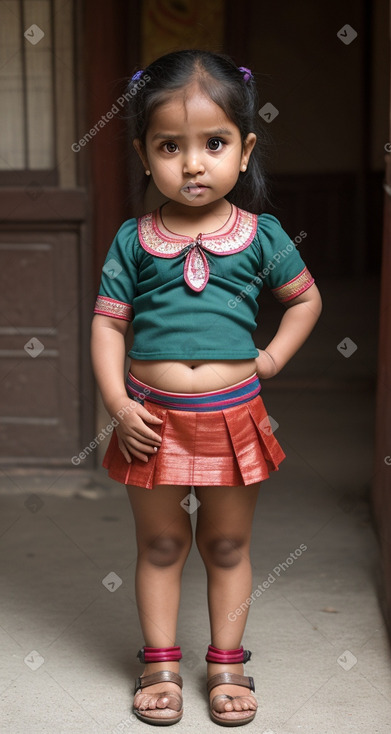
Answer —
119 275
282 267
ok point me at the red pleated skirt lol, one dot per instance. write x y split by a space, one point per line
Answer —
230 447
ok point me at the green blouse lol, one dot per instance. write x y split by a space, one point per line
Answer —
197 299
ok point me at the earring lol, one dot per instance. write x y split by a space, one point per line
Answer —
147 172
243 167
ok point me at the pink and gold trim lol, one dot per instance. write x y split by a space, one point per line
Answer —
236 238
110 307
294 287
196 270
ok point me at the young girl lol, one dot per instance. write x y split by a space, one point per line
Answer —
190 415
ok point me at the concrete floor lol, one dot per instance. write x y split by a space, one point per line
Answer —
321 660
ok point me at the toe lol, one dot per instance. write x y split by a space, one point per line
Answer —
222 704
251 705
148 703
242 703
162 702
138 701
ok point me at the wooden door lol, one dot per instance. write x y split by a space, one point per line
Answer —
45 276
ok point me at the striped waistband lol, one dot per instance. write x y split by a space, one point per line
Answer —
227 397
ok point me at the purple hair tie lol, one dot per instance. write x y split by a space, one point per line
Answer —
137 75
247 74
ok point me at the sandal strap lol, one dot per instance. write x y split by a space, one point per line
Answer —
233 678
162 676
149 654
238 655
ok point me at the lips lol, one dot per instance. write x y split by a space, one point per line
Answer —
193 188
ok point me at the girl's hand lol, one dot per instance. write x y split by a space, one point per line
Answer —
134 436
265 364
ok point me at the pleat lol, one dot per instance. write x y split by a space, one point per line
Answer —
257 453
215 462
272 450
175 458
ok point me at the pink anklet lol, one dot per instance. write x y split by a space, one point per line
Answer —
215 655
159 654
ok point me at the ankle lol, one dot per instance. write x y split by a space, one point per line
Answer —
214 668
171 665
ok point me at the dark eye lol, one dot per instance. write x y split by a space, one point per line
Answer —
170 147
215 143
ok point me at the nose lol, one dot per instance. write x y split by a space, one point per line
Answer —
193 163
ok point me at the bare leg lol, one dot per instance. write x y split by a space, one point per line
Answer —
223 537
164 538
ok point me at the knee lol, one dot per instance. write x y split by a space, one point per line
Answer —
167 550
223 552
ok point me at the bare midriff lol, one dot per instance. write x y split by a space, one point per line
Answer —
192 375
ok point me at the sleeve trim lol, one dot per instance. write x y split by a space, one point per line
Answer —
110 307
294 287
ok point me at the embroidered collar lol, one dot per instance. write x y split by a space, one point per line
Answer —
196 268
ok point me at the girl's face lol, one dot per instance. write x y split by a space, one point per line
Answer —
193 150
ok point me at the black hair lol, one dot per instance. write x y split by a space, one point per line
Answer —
222 81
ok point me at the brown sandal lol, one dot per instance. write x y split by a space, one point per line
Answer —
229 718
167 715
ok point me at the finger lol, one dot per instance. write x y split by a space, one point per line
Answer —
149 417
145 433
131 450
139 433
124 450
134 443
140 455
